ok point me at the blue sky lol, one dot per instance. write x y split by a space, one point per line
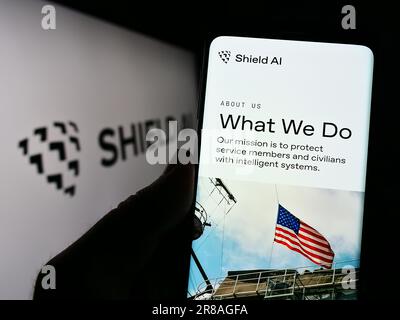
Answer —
248 229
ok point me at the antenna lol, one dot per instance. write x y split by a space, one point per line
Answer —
220 196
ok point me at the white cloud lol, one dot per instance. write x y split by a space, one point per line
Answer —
249 227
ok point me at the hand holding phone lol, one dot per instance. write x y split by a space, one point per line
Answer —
281 179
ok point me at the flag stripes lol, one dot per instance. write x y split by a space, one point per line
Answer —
300 237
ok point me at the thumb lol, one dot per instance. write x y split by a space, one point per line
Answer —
166 201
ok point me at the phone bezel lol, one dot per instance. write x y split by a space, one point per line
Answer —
280 36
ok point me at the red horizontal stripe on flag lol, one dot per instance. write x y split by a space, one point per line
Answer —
323 251
287 234
316 261
299 251
305 237
308 253
283 229
313 233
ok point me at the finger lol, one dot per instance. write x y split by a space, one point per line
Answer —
167 200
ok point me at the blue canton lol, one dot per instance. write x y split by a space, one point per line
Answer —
286 219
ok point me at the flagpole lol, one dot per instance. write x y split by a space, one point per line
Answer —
276 193
273 241
270 255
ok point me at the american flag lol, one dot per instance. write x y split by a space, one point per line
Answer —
298 236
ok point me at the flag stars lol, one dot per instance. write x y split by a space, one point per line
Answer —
289 234
286 219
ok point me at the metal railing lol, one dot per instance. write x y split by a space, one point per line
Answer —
278 283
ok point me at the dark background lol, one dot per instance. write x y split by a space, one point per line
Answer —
189 23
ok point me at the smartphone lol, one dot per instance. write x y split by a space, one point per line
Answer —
282 168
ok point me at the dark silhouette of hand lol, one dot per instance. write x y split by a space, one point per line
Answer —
138 250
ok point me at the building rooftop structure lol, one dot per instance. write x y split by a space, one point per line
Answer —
289 284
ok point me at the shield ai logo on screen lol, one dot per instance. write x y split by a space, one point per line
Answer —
53 152
224 55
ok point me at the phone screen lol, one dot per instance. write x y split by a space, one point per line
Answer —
281 177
